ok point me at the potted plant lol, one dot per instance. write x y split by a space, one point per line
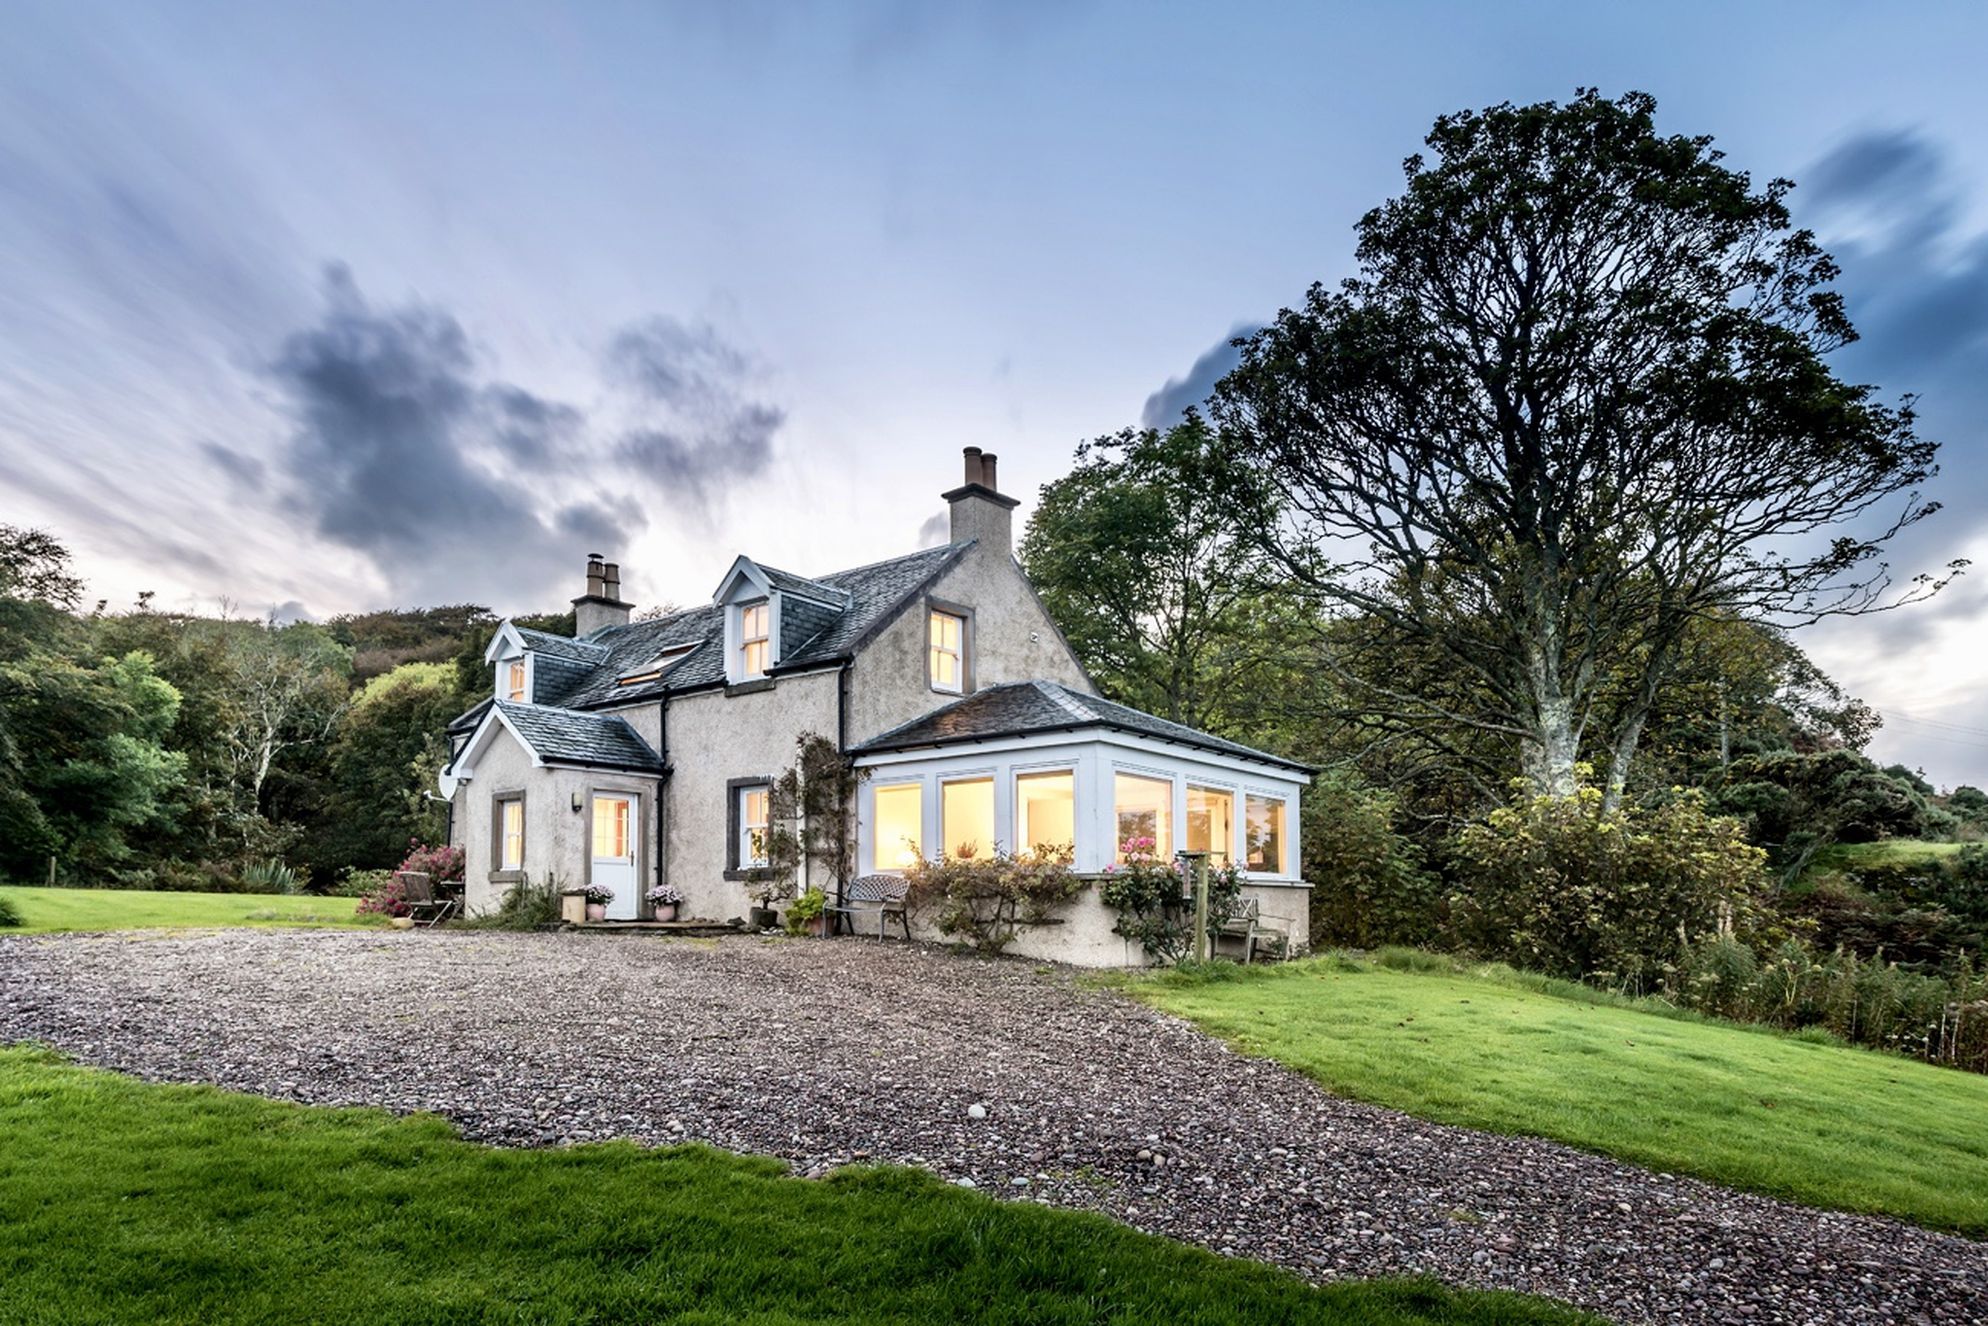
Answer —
804 914
664 902
598 896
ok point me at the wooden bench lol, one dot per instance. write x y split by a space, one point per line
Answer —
881 896
1246 926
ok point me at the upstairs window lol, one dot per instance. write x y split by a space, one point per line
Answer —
755 639
948 652
514 682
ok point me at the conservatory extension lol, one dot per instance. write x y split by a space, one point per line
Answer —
1035 764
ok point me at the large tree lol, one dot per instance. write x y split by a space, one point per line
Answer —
1575 400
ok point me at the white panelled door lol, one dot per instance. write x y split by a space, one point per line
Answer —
614 854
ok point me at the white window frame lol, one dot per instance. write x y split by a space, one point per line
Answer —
746 642
501 677
1017 773
1282 868
877 844
1238 812
746 859
934 652
991 777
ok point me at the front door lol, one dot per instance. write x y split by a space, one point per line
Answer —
614 853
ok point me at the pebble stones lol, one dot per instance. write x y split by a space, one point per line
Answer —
863 1053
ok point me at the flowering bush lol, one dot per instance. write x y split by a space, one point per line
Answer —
442 864
598 893
986 900
1154 898
662 895
384 898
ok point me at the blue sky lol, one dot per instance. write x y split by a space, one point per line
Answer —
333 307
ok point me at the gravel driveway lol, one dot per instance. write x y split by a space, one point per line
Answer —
1001 1074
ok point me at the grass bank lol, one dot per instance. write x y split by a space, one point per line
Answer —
43 909
132 1202
1799 1117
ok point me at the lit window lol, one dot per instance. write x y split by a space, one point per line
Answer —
1211 823
1144 808
900 824
966 813
1045 811
948 656
514 682
755 804
611 828
755 638
1264 835
511 834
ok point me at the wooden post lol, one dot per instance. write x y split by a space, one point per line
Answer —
1200 868
51 870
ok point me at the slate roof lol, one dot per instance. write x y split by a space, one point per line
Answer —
1024 708
546 644
566 736
871 596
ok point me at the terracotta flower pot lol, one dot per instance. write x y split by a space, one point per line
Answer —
596 911
666 912
401 922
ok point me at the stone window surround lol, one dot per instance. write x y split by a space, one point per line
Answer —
734 786
498 800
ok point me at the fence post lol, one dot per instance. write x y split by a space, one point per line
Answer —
1199 865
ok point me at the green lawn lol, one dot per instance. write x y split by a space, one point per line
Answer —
1809 1120
127 909
125 1201
1886 852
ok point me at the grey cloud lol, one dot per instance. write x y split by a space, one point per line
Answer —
1170 403
530 429
244 470
289 612
937 529
696 424
390 414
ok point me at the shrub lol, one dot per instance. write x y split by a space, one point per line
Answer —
985 901
1370 886
384 899
526 906
1559 886
1154 899
805 910
359 883
10 915
442 864
270 876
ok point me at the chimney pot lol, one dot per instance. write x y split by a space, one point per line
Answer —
596 576
611 580
987 459
973 464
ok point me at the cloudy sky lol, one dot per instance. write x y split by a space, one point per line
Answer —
316 308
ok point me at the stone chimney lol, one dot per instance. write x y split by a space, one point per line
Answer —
601 606
979 511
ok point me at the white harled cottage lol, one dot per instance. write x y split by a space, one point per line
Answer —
639 753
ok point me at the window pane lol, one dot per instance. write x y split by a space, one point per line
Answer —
753 806
967 812
755 648
1264 835
1145 814
1211 823
516 687
514 835
900 824
946 633
1045 811
610 828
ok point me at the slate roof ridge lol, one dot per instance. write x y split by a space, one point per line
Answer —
1077 706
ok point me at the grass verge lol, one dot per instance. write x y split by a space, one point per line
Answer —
126 1201
43 909
1796 1116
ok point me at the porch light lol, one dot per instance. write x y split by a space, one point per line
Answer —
578 804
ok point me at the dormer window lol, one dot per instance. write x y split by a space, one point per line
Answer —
947 655
516 689
755 638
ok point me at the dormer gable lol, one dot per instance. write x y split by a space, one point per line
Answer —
770 615
535 667
511 665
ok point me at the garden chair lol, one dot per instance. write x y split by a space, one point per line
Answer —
881 896
1246 926
417 890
